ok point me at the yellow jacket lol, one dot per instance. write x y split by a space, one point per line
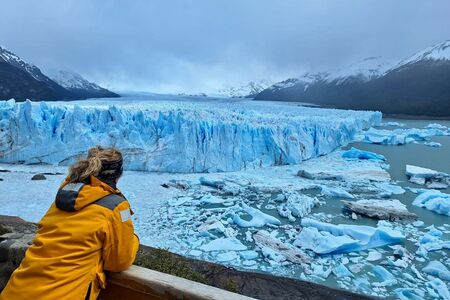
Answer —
87 230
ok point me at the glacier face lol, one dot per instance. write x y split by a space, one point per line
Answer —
168 136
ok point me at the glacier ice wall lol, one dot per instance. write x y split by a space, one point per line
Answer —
176 137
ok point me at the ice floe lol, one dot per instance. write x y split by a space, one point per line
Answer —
399 136
431 241
392 210
296 206
223 244
258 218
361 154
325 238
438 269
427 176
435 201
283 251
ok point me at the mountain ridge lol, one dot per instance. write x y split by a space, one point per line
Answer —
22 80
417 85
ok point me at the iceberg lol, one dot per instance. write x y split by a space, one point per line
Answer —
297 205
259 219
336 192
361 154
399 136
224 244
170 136
438 269
431 241
325 238
422 176
384 275
409 294
392 210
435 201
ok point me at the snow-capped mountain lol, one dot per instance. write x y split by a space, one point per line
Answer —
437 53
365 70
22 80
417 85
15 61
78 85
247 90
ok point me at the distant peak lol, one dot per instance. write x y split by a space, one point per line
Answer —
437 52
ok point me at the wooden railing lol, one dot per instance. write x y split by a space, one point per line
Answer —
138 283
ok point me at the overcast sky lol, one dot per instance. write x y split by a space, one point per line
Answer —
201 45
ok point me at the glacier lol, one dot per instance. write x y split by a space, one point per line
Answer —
169 136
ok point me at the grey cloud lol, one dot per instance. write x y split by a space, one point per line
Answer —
198 45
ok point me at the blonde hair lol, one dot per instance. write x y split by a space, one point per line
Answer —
83 169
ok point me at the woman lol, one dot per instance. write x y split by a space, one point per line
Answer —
87 230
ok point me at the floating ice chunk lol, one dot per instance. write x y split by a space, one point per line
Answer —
393 124
342 271
431 241
336 192
218 184
325 238
320 271
399 136
259 219
297 205
361 154
388 189
409 294
435 201
272 254
249 254
227 256
264 240
374 255
224 244
212 226
440 287
210 199
195 253
319 175
392 210
419 175
179 201
433 144
362 284
438 269
419 172
436 126
418 223
386 277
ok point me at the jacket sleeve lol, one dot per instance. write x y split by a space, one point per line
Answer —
121 243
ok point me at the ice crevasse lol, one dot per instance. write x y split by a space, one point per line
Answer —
176 137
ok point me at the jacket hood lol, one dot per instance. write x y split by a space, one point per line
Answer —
76 196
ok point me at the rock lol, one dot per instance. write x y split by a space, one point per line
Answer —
1 179
4 171
392 210
39 177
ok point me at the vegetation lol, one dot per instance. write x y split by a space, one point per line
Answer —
163 261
